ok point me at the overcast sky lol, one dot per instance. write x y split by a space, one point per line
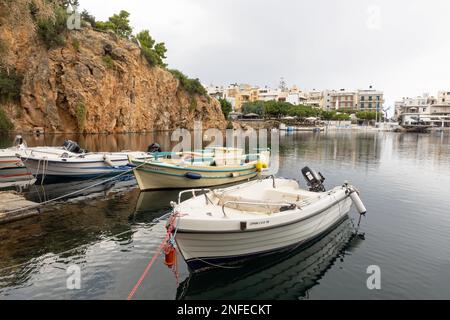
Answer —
401 47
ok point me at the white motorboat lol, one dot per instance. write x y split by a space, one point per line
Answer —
231 225
206 168
51 167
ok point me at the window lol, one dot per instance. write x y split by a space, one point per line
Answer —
362 105
378 98
362 98
370 98
370 105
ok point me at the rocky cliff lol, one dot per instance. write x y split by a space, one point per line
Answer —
96 82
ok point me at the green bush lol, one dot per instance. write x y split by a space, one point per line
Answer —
119 23
80 113
193 86
226 107
76 44
192 105
10 84
5 124
87 17
3 47
366 115
108 61
153 52
51 31
104 26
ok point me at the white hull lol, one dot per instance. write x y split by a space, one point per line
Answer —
88 166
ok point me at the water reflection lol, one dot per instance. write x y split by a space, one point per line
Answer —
155 203
30 245
284 276
79 190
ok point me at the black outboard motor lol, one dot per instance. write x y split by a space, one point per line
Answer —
315 180
154 147
72 146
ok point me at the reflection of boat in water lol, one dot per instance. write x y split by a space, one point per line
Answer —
76 189
283 276
155 201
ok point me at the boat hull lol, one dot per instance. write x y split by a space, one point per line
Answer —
9 161
52 171
205 250
153 176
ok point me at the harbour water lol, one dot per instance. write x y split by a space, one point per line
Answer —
110 233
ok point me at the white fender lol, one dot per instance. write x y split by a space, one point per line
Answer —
358 203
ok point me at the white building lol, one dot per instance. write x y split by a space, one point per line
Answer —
267 94
424 110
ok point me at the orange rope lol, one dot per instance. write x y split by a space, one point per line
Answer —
156 255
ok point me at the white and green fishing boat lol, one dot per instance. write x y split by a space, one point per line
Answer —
197 170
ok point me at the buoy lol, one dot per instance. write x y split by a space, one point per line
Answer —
193 176
170 256
259 166
358 203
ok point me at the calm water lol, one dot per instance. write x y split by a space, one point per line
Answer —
109 234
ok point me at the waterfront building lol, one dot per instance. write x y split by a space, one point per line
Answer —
370 100
425 110
359 100
343 100
313 99
216 91
268 94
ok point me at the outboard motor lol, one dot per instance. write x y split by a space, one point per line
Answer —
314 180
72 146
154 147
19 142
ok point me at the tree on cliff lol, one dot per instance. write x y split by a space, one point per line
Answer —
119 23
152 51
226 107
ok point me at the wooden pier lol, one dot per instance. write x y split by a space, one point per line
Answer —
11 205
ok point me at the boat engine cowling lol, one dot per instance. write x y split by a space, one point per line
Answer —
154 147
314 180
72 146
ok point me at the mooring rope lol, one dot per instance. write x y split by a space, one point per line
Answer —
157 253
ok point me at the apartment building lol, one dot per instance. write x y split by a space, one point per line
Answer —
370 100
426 110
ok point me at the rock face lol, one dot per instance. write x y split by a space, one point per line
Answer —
96 83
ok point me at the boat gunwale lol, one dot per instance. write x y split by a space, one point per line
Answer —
142 165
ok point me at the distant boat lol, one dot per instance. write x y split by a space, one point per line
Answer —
419 128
